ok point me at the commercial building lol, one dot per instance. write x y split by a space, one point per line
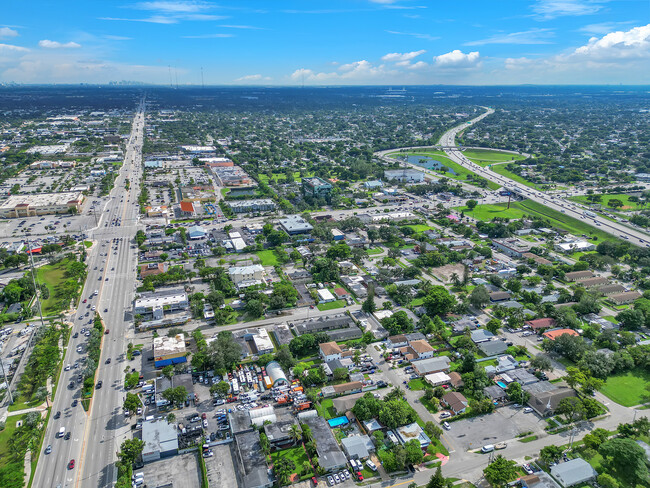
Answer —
254 341
169 350
545 396
157 304
252 470
316 187
404 175
258 205
196 232
330 457
18 206
295 224
279 434
578 275
245 276
512 246
160 440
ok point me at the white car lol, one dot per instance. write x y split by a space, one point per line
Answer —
330 481
528 410
337 479
446 425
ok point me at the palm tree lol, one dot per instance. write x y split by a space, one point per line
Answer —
295 433
455 279
356 359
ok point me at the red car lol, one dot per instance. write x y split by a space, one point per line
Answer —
204 416
85 300
71 464
314 480
359 476
106 331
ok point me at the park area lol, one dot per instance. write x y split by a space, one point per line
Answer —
487 212
485 157
268 258
628 389
62 280
605 200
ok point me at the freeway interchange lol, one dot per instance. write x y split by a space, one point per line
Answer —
555 202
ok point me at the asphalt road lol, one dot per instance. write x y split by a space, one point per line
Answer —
554 201
96 434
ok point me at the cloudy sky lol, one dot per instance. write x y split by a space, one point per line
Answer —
326 42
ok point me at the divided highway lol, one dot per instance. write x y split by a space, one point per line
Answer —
448 142
97 434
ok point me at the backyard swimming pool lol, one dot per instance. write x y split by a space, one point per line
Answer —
338 421
502 384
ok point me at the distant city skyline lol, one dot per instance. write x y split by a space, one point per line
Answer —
332 42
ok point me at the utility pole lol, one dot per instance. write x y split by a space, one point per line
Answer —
38 299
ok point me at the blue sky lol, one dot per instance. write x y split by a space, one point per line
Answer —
276 42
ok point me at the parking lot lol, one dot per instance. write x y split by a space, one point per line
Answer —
503 424
183 471
220 467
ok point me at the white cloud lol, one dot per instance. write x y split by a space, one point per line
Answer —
156 19
603 27
249 27
208 36
457 59
550 9
11 47
256 77
532 36
171 6
393 57
426 37
418 65
619 45
7 32
47 44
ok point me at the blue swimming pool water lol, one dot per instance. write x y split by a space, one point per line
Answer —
336 422
501 384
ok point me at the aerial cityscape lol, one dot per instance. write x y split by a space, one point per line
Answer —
363 243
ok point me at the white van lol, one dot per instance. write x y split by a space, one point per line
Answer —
61 432
371 465
487 448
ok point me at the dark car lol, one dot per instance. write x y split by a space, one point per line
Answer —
75 335
108 361
99 384
57 415
74 402
67 436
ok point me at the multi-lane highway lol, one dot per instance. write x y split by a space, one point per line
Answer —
96 434
554 201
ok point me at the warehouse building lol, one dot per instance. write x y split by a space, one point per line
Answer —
169 350
295 224
275 372
160 440
18 206
259 205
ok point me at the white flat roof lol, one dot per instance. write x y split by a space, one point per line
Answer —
154 301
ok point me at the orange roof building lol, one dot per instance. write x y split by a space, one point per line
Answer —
555 333
187 207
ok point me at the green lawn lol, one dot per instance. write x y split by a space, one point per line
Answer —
331 305
5 435
326 408
560 220
484 157
489 211
88 243
268 258
375 250
417 384
420 227
52 275
501 169
295 454
628 389
605 198
21 403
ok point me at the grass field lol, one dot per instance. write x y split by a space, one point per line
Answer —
623 197
561 220
330 305
420 227
375 250
5 435
628 389
501 169
52 275
268 258
488 211
280 177
461 172
326 409
417 384
295 454
483 157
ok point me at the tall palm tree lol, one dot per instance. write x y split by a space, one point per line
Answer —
295 433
